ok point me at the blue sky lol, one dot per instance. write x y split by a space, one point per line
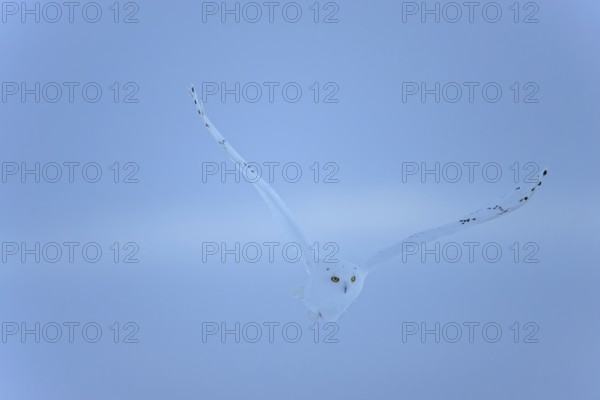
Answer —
370 134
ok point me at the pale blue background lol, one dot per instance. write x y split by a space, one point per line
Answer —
369 133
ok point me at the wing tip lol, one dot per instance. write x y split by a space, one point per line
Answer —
197 102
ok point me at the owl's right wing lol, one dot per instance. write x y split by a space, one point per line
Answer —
281 213
506 204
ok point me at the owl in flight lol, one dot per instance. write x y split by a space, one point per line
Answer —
332 287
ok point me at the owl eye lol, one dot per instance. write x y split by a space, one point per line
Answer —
353 278
335 279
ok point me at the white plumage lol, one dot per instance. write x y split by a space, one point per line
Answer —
331 288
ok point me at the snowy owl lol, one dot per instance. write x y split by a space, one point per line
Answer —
331 288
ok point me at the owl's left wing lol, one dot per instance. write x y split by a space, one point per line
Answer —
282 214
508 203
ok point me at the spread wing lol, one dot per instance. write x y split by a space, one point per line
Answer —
282 214
506 204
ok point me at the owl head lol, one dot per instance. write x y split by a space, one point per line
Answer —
343 279
332 288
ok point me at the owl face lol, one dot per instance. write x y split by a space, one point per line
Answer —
332 288
344 279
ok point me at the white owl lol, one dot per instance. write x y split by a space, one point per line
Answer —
331 288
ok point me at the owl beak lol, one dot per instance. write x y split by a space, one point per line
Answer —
345 288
